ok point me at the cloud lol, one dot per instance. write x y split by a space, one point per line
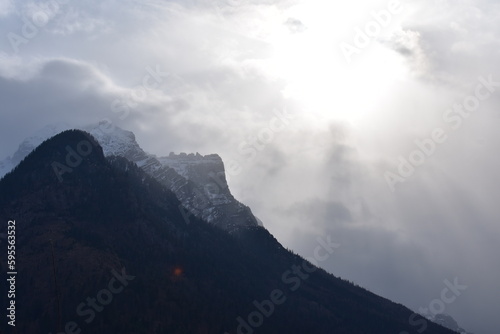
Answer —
75 92
410 44
62 90
295 25
6 7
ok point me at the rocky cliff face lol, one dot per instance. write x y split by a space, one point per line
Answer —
210 197
198 181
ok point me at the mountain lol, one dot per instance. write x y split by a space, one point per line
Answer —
108 251
29 144
198 181
447 321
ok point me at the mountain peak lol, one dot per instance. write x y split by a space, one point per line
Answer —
63 157
114 140
198 181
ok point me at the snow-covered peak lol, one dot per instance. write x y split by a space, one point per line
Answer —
198 181
115 141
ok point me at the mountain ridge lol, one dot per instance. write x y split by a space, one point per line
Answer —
199 181
110 218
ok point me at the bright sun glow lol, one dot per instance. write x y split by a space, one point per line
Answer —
318 75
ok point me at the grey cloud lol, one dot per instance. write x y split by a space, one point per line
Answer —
62 92
6 6
68 91
453 43
318 211
411 44
295 25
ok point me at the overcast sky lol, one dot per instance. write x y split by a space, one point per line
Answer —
372 122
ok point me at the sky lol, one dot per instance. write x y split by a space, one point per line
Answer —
372 122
